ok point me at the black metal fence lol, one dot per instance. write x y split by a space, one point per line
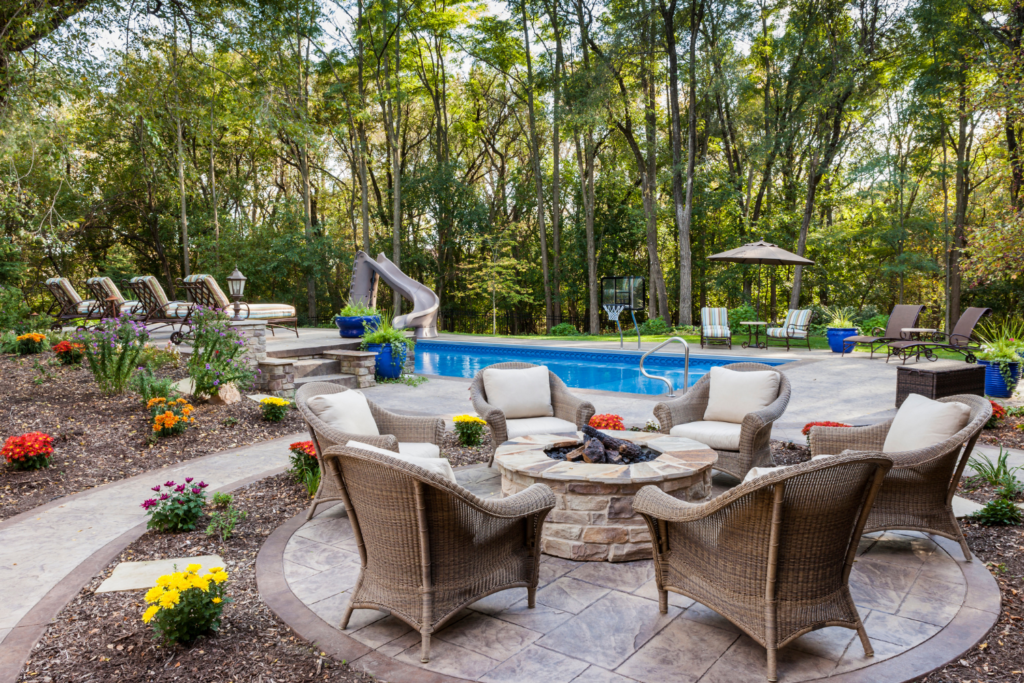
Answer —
503 321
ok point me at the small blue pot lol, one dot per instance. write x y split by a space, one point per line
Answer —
355 325
995 383
836 335
389 366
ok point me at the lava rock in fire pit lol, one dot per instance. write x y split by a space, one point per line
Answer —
593 452
598 448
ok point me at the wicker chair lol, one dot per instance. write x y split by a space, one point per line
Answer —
918 491
756 431
772 555
430 548
566 406
392 427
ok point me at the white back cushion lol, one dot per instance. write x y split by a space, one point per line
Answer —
922 422
436 465
346 411
519 393
734 394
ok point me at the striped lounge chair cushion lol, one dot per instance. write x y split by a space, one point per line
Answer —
67 287
168 308
211 284
270 311
715 322
109 287
86 307
795 325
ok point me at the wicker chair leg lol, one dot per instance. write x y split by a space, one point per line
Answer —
868 650
347 615
968 557
663 601
425 645
531 597
772 662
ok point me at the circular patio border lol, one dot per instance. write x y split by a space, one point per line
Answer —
972 623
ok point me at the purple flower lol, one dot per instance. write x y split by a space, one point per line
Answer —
216 381
146 504
156 488
180 488
164 497
179 501
188 480
207 366
196 490
168 484
202 484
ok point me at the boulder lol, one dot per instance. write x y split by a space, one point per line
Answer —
226 395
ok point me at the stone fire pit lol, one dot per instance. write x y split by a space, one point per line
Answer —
593 518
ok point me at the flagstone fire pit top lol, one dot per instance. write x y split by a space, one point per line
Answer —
593 518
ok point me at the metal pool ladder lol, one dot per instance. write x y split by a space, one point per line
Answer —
666 380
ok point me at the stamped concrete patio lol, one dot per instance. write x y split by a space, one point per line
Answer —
598 622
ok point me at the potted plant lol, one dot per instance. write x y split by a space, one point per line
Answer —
1001 354
355 319
840 326
390 345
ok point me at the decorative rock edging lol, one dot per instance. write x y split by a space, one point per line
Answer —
978 614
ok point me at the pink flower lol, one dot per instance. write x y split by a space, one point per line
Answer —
155 488
148 504
168 484
196 490
164 497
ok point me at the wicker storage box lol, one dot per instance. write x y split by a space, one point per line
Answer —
937 382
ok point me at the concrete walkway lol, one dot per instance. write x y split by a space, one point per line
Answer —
41 547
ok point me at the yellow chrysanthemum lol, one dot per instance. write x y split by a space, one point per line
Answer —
154 594
216 570
170 599
193 568
150 612
219 577
468 418
216 601
164 581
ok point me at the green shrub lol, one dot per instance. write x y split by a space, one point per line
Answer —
998 512
178 508
112 350
564 330
220 500
148 386
216 354
996 474
654 326
223 523
741 314
356 310
14 312
154 357
8 342
870 324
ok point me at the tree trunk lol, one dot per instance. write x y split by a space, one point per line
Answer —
185 266
396 234
685 257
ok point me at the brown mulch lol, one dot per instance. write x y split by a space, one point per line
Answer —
1009 433
465 455
99 439
101 637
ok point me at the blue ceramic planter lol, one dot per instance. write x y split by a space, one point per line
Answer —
389 366
995 383
836 335
354 326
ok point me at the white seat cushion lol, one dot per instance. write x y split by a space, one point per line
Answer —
346 411
419 450
921 422
434 464
733 395
722 436
756 472
519 393
538 425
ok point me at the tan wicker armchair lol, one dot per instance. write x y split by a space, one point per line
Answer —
430 548
566 406
918 492
772 555
756 431
393 428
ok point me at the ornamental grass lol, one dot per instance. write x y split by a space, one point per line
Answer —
469 429
30 451
185 605
170 417
274 409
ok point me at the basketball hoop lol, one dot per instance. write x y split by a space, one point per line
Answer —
614 311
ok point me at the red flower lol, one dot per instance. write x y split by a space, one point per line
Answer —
998 412
607 421
31 445
807 427
303 448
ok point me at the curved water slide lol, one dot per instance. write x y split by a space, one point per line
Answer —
365 274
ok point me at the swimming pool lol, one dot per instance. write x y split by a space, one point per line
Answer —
607 371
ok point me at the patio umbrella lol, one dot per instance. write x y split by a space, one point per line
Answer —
761 253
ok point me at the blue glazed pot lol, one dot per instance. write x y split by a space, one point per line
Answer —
836 335
388 365
995 383
353 326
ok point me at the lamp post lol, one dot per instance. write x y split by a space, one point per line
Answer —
236 287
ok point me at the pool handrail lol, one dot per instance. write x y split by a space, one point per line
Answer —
666 380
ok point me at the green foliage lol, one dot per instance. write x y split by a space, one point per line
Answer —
187 606
998 512
112 351
654 326
8 342
220 499
31 343
407 380
357 309
879 321
741 314
223 523
274 409
564 330
14 312
155 358
305 469
148 386
217 349
997 474
838 316
385 333
469 429
179 507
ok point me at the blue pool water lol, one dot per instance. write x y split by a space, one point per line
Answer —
618 371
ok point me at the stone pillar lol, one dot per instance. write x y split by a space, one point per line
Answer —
361 364
276 377
254 334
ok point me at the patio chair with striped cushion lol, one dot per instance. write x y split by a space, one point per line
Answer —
205 292
111 300
796 326
714 327
71 304
157 309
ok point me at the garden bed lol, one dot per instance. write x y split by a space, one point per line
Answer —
100 637
1009 433
99 439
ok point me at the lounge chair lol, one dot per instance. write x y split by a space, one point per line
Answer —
516 399
714 327
204 291
961 340
734 416
156 309
112 301
797 326
774 554
902 317
918 491
407 436
429 548
70 304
